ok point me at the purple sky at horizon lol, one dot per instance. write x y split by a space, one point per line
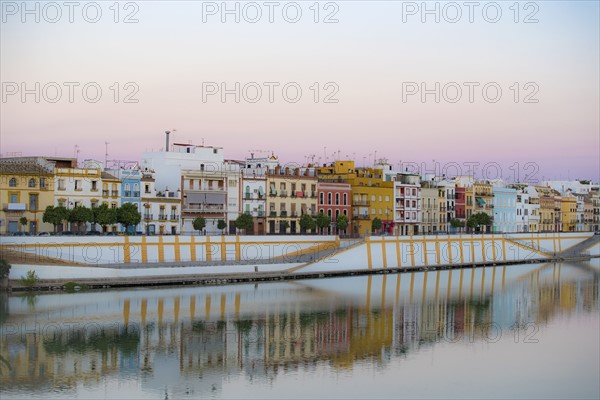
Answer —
373 61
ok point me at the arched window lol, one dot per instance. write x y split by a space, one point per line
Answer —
31 183
329 198
337 199
12 182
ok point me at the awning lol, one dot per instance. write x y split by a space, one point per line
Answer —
480 201
205 198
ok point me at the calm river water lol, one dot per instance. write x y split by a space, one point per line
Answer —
525 331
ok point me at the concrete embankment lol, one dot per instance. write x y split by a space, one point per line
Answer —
311 257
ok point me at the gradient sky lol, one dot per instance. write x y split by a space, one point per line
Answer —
369 53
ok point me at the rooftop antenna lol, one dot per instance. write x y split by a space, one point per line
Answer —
106 155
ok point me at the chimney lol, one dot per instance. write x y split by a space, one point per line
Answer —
167 140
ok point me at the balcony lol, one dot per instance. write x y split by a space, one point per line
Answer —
204 208
127 193
294 214
282 193
148 216
361 216
162 217
174 217
260 213
15 207
273 193
105 193
114 193
313 195
363 203
272 214
283 213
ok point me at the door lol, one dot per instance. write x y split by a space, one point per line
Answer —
13 226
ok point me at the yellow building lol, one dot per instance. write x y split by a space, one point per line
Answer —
550 209
469 202
291 192
568 212
26 189
430 214
372 197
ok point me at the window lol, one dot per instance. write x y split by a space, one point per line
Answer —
12 182
42 183
329 198
373 198
345 198
321 197
387 198
33 202
113 205
77 184
232 183
191 184
13 198
337 199
380 198
94 204
147 188
61 184
31 183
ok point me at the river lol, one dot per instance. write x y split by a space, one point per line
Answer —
521 331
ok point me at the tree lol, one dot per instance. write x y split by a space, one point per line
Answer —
479 219
55 215
307 222
80 214
322 221
221 224
105 215
341 222
244 222
376 224
457 223
128 215
199 224
23 222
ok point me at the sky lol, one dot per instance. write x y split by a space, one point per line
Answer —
508 89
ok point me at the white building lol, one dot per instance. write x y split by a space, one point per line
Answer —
254 189
161 210
210 186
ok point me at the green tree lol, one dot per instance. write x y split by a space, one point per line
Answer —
128 215
457 223
322 221
80 215
199 224
23 222
104 215
376 224
341 222
221 224
55 215
479 219
244 222
307 223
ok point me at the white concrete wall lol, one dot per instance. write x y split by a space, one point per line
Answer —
137 249
401 251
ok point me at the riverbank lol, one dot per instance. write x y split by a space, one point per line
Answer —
230 261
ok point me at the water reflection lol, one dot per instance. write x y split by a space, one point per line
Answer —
203 340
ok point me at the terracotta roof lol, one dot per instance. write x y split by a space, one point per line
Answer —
15 167
106 175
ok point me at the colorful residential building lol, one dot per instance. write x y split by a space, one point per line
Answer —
161 210
407 204
130 177
335 199
484 199
568 212
505 209
292 192
209 185
254 184
26 189
372 197
430 216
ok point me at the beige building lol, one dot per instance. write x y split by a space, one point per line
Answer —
291 192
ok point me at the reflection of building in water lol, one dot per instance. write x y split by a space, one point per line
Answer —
192 339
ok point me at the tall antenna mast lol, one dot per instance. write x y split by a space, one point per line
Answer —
106 155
